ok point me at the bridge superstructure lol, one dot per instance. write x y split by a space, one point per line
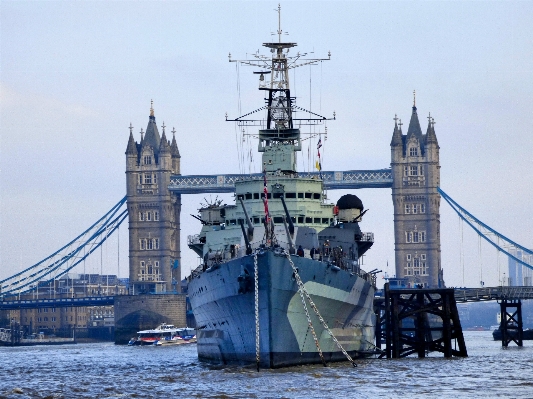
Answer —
333 180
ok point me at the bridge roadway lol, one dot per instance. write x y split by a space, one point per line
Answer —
57 302
350 179
461 295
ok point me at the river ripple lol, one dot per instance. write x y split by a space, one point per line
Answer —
109 371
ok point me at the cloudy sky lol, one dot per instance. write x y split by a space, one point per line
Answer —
73 75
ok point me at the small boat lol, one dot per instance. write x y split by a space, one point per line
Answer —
527 334
184 335
164 334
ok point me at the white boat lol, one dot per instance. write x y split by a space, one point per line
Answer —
164 334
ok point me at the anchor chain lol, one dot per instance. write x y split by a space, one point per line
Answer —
303 291
256 295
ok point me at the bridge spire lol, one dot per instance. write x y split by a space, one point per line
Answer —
397 134
414 125
131 149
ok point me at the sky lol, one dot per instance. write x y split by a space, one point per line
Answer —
73 75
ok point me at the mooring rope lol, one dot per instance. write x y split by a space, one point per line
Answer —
256 282
303 291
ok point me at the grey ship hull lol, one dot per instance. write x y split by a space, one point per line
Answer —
226 318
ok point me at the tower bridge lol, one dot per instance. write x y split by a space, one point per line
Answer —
153 205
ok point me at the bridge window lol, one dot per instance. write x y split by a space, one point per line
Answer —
421 170
140 178
423 256
422 208
407 208
405 170
256 220
325 220
415 208
413 170
150 244
147 178
149 216
408 257
156 215
155 178
413 151
147 160
156 243
415 236
141 216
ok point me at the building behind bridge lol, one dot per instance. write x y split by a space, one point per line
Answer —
519 275
63 320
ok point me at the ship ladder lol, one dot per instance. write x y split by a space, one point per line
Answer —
303 291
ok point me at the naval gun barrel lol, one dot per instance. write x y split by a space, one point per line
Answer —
246 240
288 216
250 225
292 251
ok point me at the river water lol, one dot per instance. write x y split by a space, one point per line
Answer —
104 370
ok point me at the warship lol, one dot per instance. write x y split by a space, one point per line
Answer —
280 282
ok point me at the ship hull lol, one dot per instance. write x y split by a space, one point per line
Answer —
225 315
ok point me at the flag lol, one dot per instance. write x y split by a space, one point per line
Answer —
319 162
265 201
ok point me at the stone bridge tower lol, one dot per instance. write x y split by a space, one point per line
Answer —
153 211
416 176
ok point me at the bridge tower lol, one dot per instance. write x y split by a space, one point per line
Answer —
153 211
416 176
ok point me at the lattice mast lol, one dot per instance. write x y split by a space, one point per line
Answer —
279 139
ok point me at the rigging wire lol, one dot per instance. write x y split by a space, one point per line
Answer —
461 252
480 262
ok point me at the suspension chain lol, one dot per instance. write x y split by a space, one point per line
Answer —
256 295
303 291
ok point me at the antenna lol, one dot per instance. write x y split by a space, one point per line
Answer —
279 23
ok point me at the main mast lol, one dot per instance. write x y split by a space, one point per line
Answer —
280 140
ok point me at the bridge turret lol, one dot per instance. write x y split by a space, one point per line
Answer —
175 154
416 176
153 211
